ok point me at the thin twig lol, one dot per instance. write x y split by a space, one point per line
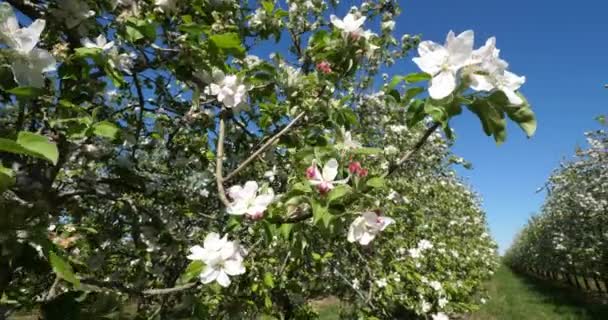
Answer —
263 147
219 162
415 149
150 292
52 290
140 124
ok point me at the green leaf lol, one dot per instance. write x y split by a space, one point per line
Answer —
193 270
417 77
338 192
524 117
319 213
601 119
492 120
39 145
230 43
105 129
7 178
26 92
412 92
436 112
375 182
87 52
268 280
415 113
367 151
268 6
302 187
63 269
394 82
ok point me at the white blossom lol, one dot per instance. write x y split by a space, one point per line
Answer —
444 62
488 72
365 227
351 24
28 63
229 90
223 258
100 43
381 283
388 26
246 200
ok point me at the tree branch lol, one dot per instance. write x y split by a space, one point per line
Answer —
219 162
142 104
150 292
263 147
415 149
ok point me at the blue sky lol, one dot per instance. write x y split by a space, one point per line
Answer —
562 49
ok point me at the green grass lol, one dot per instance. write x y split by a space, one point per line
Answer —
513 296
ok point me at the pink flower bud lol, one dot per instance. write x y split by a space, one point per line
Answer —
362 172
354 167
311 172
323 188
324 67
256 216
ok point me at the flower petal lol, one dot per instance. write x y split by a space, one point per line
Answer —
442 85
234 267
330 170
223 279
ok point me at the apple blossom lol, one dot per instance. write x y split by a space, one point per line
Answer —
325 180
229 90
223 258
29 63
246 200
488 72
365 227
349 142
324 67
100 43
443 63
350 25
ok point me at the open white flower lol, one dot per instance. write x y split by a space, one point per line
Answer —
29 63
73 12
22 40
349 142
325 180
440 316
100 43
223 258
246 200
365 228
444 62
351 24
229 90
488 72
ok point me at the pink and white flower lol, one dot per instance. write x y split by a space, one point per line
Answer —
324 180
247 201
365 228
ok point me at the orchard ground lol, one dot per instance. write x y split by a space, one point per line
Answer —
515 296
